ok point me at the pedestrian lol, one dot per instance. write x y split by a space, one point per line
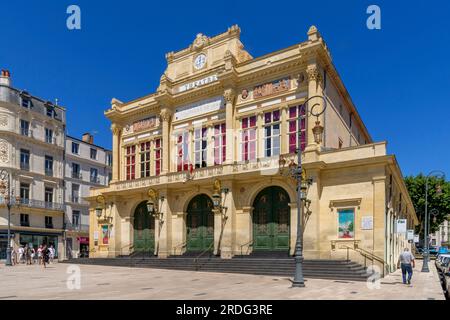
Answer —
51 253
13 256
21 252
28 254
407 262
39 254
32 255
45 255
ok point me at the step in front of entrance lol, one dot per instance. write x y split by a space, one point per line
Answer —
321 269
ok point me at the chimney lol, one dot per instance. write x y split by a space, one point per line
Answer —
5 78
89 138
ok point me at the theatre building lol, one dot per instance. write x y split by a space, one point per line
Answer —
210 155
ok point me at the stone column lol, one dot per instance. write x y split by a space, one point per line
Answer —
229 96
116 130
379 208
166 116
260 149
284 127
210 145
228 236
315 87
163 227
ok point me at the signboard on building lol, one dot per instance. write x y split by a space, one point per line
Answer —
367 223
410 234
401 226
197 83
416 238
270 88
199 108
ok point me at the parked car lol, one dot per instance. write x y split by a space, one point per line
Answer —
443 250
442 261
433 251
447 283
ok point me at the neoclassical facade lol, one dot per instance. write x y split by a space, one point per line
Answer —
222 117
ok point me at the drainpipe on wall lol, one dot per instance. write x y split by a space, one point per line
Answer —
325 113
64 195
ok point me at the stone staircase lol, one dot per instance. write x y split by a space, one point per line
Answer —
258 264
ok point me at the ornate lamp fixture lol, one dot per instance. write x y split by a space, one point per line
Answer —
318 132
100 206
153 203
218 202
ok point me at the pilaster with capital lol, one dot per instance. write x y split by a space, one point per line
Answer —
315 88
229 96
166 118
116 131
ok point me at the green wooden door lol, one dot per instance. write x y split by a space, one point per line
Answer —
144 229
271 220
200 224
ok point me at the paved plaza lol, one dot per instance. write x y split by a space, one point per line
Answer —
102 282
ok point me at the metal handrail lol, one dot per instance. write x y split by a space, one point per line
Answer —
181 246
249 244
202 253
366 254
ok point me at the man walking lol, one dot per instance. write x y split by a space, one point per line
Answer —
407 263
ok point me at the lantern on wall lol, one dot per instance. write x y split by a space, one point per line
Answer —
318 132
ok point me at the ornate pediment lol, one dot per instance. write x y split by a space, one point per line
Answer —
200 41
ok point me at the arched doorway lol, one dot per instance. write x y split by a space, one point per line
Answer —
271 220
144 229
199 223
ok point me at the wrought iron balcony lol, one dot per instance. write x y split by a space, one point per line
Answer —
41 204
49 172
77 227
25 166
26 132
77 175
75 199
95 179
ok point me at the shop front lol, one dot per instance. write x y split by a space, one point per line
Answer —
36 239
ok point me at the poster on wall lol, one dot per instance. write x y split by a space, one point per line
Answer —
105 235
401 226
346 224
410 234
416 238
367 223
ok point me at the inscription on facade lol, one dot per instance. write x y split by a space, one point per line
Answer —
270 88
198 108
198 83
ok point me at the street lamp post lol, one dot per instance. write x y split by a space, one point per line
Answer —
439 174
302 186
218 203
6 190
153 208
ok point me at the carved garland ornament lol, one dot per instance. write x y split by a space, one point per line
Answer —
3 120
4 151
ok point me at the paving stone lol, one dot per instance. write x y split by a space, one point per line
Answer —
34 282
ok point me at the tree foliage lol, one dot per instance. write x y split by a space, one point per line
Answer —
416 186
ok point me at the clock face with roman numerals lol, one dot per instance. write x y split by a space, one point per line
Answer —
200 61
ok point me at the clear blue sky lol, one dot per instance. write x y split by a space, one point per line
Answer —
398 77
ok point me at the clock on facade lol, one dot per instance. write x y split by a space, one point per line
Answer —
200 61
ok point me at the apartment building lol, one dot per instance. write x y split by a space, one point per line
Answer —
87 165
32 134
